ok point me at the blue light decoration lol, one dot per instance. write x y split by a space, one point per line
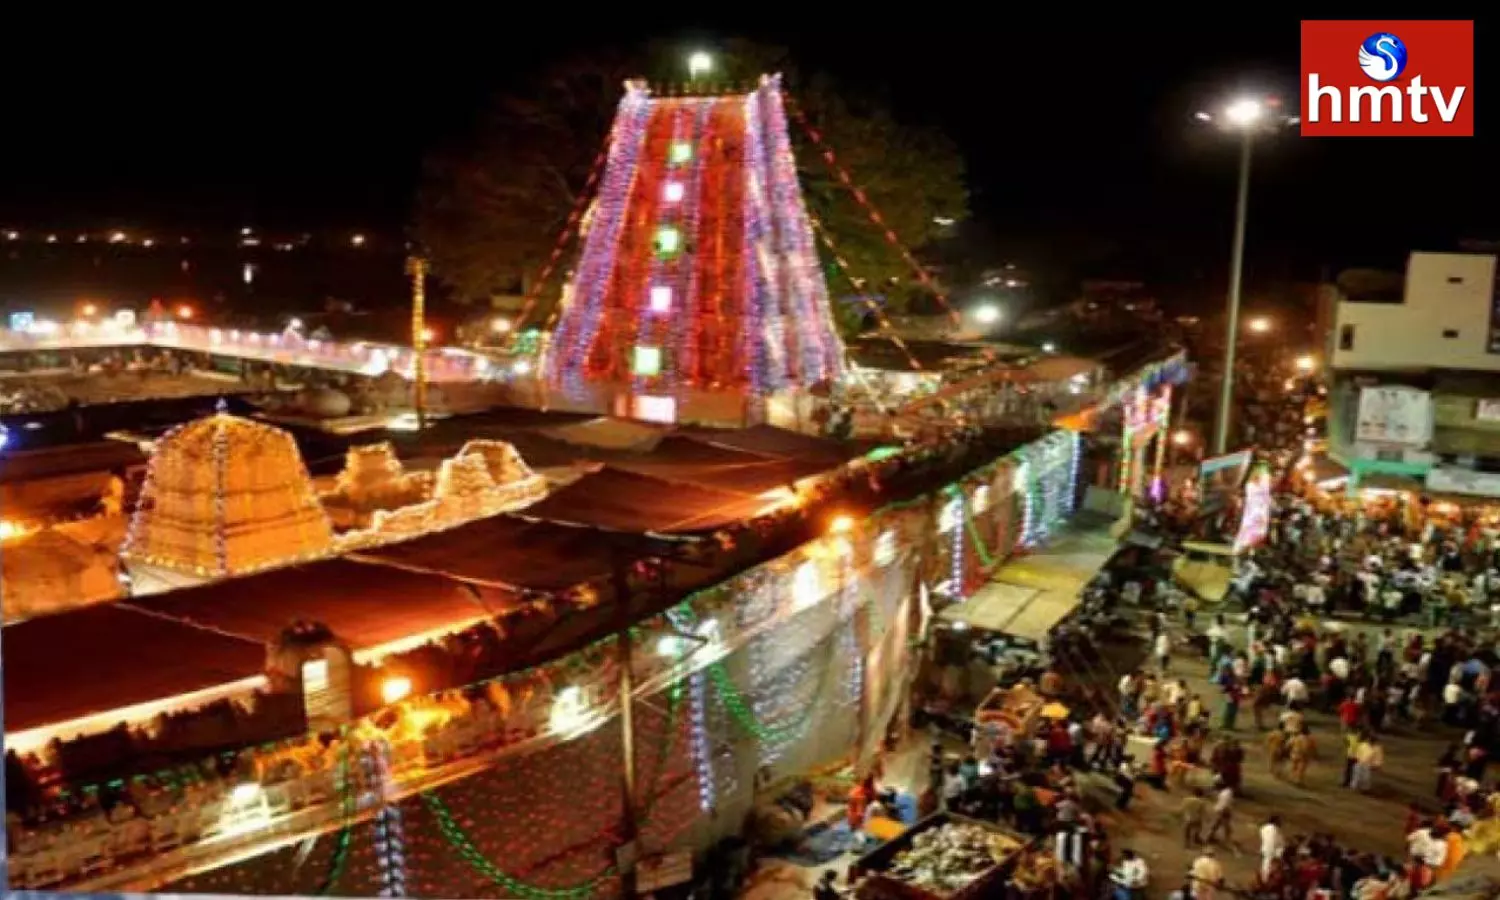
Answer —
390 836
703 763
22 321
579 322
820 352
762 330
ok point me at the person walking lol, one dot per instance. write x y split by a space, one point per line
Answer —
1222 815
1300 751
1272 845
1368 757
1194 812
1163 648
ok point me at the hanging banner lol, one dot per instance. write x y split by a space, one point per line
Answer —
1394 414
1219 480
1255 524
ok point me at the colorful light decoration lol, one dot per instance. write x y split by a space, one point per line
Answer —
700 196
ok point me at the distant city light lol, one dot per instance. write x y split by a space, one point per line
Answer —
90 309
1259 325
943 221
358 240
248 273
1049 347
987 314
184 311
119 237
148 242
246 232
51 238
12 235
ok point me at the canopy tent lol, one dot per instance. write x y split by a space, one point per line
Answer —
1029 596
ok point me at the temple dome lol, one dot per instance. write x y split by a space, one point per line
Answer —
225 496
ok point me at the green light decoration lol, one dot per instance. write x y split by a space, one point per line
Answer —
513 887
349 805
470 853
668 240
647 362
982 550
681 152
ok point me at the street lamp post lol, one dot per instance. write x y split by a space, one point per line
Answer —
1236 270
1245 117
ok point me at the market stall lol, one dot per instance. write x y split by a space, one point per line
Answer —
949 857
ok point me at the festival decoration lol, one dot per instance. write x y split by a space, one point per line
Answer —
700 216
1255 523
226 496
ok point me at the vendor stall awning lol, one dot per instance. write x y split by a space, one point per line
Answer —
1028 597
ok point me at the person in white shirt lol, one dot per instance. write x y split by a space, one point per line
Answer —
1272 844
1163 651
1294 692
1339 666
1131 876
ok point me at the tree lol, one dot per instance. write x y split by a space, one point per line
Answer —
491 208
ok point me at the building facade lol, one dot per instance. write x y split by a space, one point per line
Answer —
1414 390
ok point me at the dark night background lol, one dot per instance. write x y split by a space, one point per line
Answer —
1081 143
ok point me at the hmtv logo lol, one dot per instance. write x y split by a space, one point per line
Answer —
1388 79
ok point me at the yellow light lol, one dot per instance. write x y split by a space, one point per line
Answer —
11 530
395 688
184 311
358 240
428 335
1260 325
841 525
90 309
1306 364
500 325
1182 437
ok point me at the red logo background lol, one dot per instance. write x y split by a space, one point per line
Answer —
1442 53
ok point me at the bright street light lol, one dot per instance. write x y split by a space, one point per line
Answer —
1182 437
987 314
1245 116
1244 113
1306 364
700 64
500 325
1259 325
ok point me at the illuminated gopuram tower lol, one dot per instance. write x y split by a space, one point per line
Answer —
697 295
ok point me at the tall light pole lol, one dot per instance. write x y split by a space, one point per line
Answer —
1246 117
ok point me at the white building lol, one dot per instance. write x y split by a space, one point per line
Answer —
1415 380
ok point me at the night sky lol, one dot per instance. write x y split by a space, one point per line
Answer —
1081 143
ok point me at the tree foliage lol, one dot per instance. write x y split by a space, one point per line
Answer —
492 207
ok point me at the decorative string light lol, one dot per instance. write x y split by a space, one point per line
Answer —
703 764
875 217
564 236
578 324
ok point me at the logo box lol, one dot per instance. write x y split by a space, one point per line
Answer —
1388 79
